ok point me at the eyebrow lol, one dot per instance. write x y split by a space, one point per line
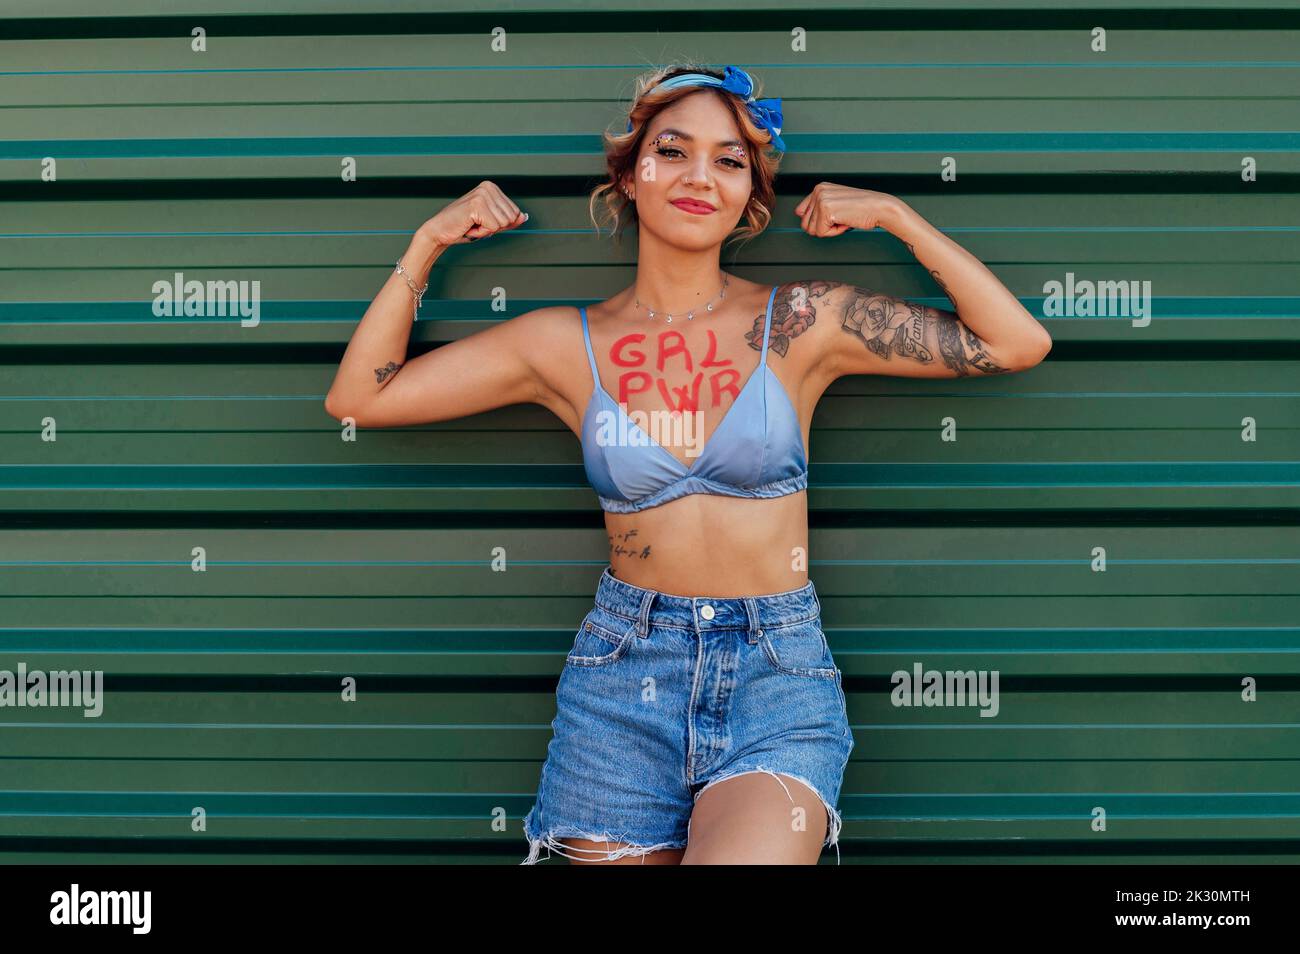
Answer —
687 136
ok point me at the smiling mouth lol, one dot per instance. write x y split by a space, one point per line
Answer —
695 206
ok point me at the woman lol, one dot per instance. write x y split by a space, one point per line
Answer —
700 713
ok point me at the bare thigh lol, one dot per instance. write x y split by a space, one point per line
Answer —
591 853
751 820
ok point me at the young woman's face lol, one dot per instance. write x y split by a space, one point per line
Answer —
695 153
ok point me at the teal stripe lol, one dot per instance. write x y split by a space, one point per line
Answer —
1163 308
846 641
947 230
349 563
1091 474
291 476
141 312
1189 806
367 564
119 804
568 67
943 395
955 806
574 144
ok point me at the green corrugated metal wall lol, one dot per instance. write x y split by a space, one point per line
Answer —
329 559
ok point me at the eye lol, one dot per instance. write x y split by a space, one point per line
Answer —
667 150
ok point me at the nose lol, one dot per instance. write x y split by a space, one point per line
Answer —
699 171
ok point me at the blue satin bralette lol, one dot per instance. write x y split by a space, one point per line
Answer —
755 451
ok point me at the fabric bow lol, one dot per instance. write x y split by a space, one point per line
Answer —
766 113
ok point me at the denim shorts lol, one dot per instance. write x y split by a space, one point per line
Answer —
662 696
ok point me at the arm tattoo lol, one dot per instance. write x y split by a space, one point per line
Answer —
386 372
934 273
939 281
889 326
793 313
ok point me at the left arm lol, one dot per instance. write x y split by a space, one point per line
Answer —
989 332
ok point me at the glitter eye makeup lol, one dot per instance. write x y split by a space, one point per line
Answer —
664 143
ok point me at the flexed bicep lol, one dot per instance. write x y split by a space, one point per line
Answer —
894 336
483 371
478 373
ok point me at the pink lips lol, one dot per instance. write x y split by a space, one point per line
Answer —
697 208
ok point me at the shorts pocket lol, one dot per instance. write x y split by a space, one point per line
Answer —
603 638
799 649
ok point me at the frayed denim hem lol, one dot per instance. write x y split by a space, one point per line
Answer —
551 841
832 814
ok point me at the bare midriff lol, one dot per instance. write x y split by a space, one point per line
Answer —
712 545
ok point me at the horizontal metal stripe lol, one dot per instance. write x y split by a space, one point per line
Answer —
560 143
1162 308
1281 473
478 805
515 561
1110 65
1097 641
946 230
28 19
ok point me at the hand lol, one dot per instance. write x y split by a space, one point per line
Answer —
483 211
832 209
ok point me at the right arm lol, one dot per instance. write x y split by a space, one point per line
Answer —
377 387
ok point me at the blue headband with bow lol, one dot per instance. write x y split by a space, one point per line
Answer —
766 113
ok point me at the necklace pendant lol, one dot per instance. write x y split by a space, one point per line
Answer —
690 315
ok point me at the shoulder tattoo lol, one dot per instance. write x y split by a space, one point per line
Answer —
794 310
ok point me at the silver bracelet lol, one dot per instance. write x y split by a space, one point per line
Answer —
418 292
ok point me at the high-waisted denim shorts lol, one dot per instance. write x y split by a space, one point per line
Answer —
662 696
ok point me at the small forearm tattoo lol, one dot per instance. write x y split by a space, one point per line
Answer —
386 372
891 326
622 544
934 273
793 312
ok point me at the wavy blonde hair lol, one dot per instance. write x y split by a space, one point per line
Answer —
621 150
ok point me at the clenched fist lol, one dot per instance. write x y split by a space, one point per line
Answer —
483 211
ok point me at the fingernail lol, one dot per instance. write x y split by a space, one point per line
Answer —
525 216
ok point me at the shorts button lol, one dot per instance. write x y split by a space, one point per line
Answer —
706 611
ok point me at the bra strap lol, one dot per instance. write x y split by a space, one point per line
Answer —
586 340
767 325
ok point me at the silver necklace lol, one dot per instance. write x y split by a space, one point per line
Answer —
690 315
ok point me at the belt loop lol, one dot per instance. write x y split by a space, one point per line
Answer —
755 624
643 617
